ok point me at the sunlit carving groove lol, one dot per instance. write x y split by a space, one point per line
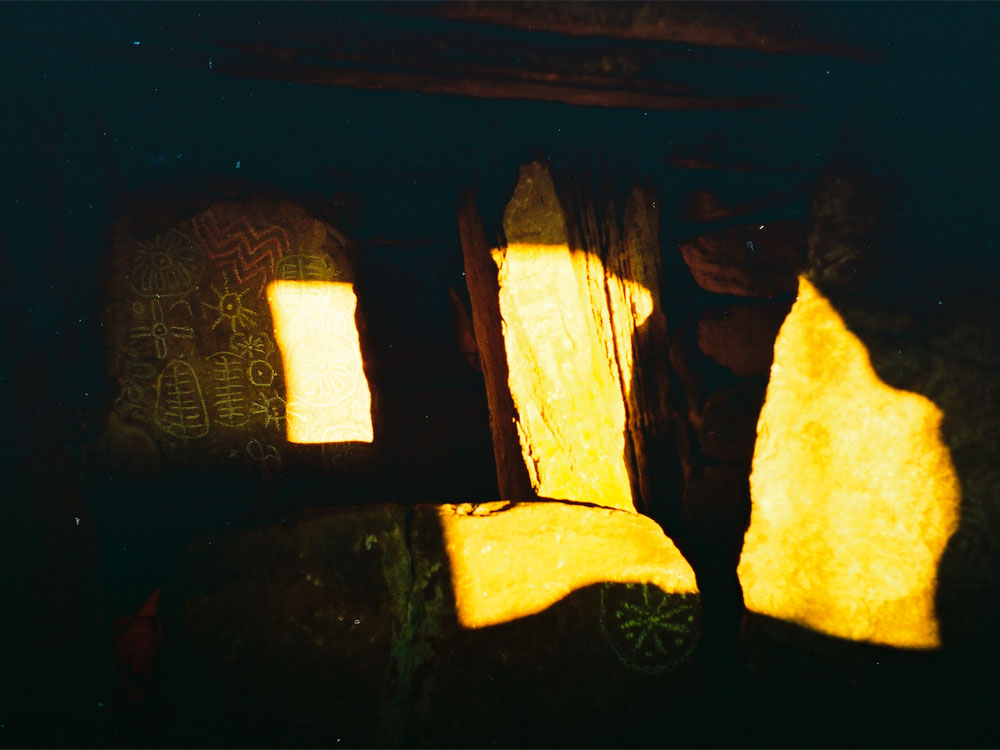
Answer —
327 395
559 342
513 562
854 492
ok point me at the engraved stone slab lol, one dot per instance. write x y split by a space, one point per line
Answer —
191 337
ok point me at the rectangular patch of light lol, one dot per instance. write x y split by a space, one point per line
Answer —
327 394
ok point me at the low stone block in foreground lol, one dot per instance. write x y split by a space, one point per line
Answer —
530 624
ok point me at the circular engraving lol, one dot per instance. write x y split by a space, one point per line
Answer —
165 266
261 373
650 630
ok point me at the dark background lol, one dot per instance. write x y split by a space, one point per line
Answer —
108 107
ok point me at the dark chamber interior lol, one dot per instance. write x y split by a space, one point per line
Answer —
377 119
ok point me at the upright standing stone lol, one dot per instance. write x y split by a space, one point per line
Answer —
566 311
854 491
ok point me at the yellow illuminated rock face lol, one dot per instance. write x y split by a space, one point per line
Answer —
514 561
854 493
327 395
568 372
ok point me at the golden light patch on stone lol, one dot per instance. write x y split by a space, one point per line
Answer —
327 394
513 561
854 492
564 374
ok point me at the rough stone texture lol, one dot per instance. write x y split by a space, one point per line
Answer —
741 337
844 247
949 353
704 206
566 392
634 322
717 507
513 480
749 261
345 627
729 423
568 320
854 492
192 345
500 573
858 486
289 635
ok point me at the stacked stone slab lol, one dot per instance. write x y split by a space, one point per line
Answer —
722 351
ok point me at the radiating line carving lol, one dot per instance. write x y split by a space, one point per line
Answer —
252 346
158 331
168 265
230 307
649 629
327 368
272 408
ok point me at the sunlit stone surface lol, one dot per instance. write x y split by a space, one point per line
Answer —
566 375
511 562
327 392
854 493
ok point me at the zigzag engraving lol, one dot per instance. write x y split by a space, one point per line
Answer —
245 251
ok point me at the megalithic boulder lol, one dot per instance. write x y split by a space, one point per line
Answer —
568 322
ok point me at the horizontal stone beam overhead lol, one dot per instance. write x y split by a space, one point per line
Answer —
425 76
745 26
372 47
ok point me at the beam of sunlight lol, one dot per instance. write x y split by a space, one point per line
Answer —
327 396
513 561
567 370
854 492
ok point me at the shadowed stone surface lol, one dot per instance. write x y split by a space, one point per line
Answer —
704 206
342 627
741 337
748 261
729 422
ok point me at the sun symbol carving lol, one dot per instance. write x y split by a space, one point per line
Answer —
326 369
272 408
649 629
168 265
230 307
